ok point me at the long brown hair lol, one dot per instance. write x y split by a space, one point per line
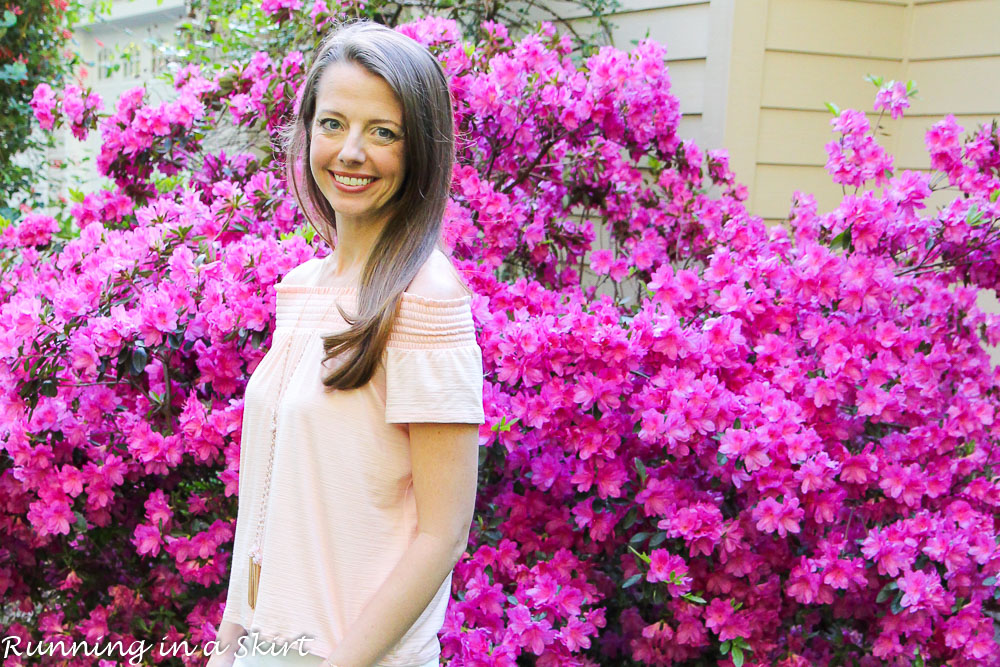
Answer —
413 228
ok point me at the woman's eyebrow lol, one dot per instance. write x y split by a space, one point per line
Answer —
331 112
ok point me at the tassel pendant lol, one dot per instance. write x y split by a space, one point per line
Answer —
254 581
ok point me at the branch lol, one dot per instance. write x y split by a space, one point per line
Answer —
952 262
524 173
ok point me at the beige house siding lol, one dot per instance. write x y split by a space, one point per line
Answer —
753 77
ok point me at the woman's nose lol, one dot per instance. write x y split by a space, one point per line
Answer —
353 149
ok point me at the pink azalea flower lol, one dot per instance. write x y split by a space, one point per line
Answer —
892 97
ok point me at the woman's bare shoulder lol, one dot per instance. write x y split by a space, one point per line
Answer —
437 279
303 273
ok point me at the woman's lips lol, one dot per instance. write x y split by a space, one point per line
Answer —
350 188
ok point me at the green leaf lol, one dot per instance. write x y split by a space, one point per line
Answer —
724 649
14 72
994 195
834 109
974 217
886 591
631 581
638 537
721 458
696 599
895 606
641 469
875 80
9 18
139 360
737 656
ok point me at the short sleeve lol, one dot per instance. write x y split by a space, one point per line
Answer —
433 365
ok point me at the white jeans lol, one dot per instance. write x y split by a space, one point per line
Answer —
291 658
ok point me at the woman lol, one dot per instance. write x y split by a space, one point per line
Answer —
358 462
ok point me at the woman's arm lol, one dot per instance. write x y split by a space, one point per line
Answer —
228 634
445 461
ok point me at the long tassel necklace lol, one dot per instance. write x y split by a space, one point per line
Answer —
256 552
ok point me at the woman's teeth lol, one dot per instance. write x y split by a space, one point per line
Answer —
347 180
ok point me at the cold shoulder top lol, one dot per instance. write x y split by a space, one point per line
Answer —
341 511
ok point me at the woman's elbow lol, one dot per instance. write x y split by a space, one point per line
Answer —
461 544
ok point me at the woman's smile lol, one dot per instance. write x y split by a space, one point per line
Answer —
352 184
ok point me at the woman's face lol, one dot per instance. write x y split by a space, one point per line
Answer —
356 151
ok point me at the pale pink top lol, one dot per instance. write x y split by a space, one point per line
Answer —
341 510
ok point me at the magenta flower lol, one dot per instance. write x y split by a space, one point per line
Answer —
272 7
600 261
892 97
783 518
43 103
147 540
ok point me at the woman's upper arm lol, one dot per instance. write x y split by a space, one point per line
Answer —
445 460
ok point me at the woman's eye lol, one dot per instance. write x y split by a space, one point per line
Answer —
385 133
329 120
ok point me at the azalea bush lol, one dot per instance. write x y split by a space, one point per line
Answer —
217 31
745 445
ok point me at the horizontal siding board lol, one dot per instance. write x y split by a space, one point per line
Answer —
776 184
683 30
691 126
799 137
963 85
794 137
835 27
947 30
801 81
987 302
687 84
637 5
572 10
